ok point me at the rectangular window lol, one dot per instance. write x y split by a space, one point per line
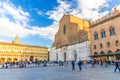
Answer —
101 46
96 36
117 43
95 47
108 45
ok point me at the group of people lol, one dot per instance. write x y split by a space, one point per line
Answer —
22 64
79 65
116 63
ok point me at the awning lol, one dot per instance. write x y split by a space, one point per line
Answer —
98 55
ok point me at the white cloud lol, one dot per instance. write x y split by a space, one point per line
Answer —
4 40
90 9
39 12
19 21
87 9
8 28
16 23
17 14
58 12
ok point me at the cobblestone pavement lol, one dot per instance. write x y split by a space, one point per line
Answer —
60 73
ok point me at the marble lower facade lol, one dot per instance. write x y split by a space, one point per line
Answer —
79 51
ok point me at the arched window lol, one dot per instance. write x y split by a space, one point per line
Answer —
118 50
108 44
112 31
103 34
109 52
117 43
102 52
95 47
64 29
101 46
95 53
95 36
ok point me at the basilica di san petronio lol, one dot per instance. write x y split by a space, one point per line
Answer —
78 39
81 50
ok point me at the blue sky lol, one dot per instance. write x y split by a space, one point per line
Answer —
37 21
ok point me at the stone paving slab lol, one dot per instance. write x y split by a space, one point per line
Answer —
60 73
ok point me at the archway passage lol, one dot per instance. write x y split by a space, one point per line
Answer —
2 60
64 56
15 60
26 60
118 54
31 58
9 60
36 60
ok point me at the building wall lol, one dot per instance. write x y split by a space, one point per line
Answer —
76 28
71 45
12 52
81 50
105 24
53 55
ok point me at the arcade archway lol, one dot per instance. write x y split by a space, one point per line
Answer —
9 60
31 58
15 60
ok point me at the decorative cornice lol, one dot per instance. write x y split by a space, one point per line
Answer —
14 44
106 18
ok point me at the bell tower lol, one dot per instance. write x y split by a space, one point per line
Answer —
17 40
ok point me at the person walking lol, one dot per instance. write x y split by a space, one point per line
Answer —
106 62
101 62
80 65
85 63
93 63
117 66
73 65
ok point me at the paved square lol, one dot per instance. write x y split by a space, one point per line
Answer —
60 73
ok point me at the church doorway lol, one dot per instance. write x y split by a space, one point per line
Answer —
64 56
57 56
75 55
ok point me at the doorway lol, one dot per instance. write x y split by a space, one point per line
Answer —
75 55
57 56
31 58
64 56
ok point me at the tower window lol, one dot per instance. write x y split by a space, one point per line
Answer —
64 29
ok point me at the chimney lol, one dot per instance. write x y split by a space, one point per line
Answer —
116 12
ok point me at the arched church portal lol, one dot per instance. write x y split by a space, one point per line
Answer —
65 56
75 55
